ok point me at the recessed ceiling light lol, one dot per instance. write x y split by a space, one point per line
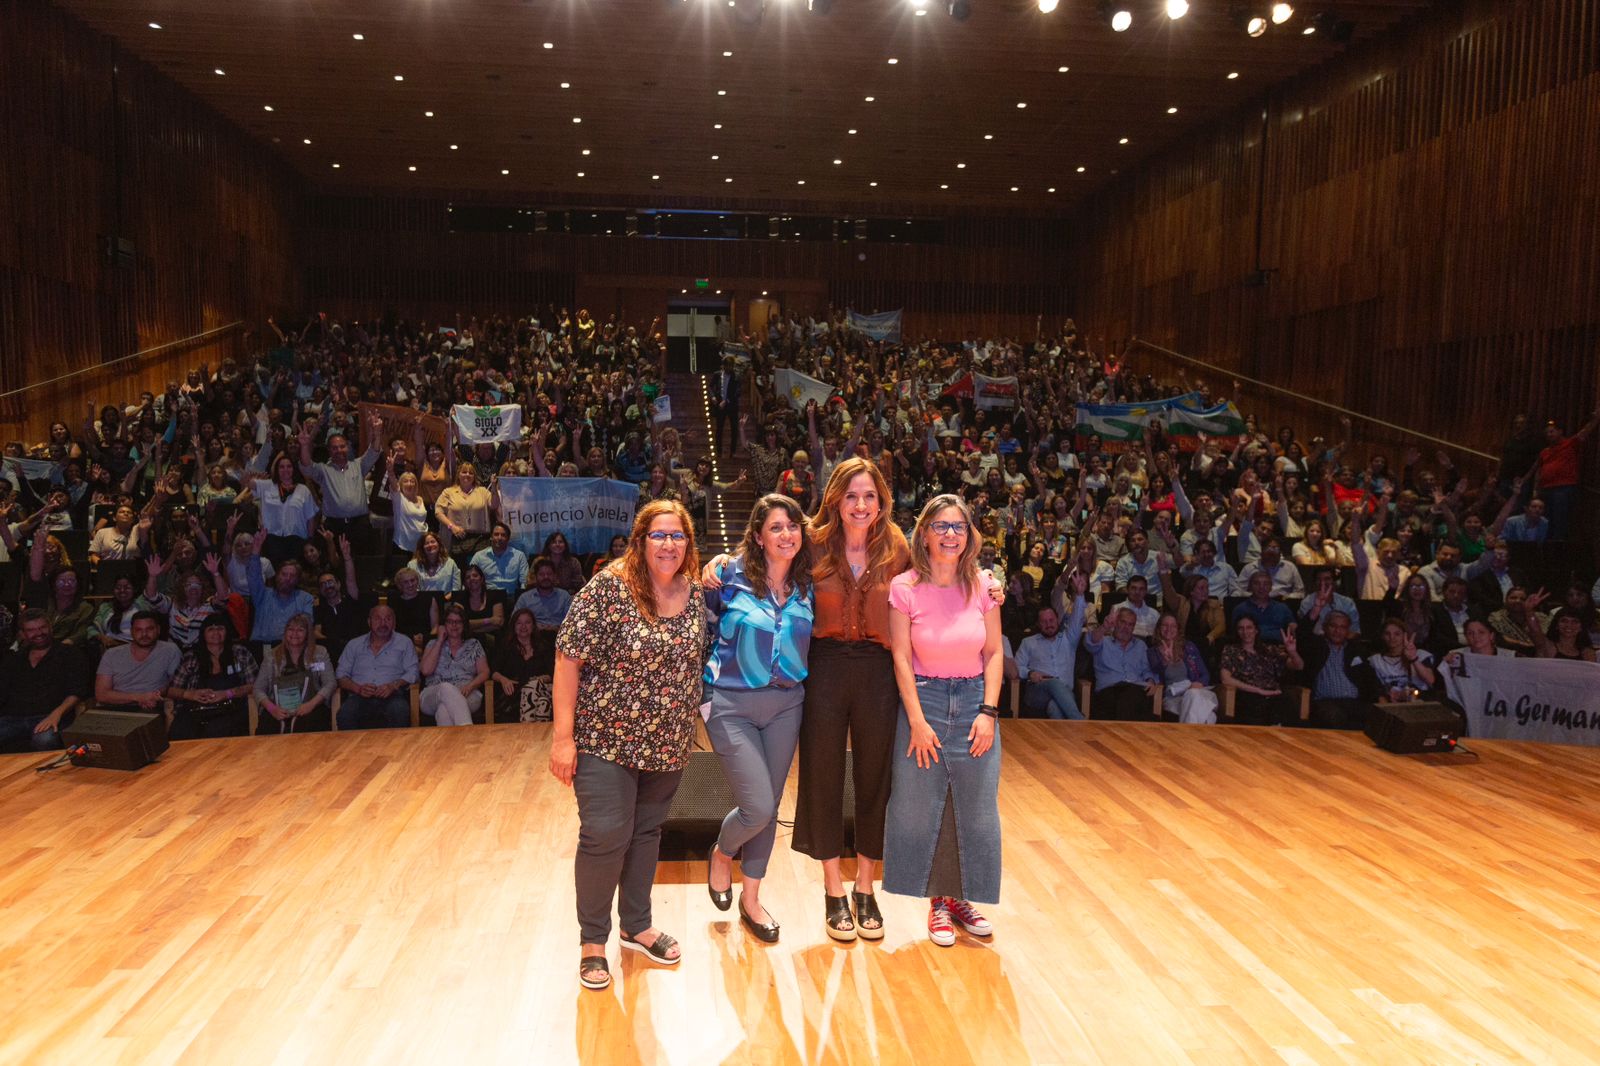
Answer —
838 162
727 179
763 292
988 136
219 72
893 61
944 186
549 44
566 85
266 107
961 166
1232 75
1281 13
1309 30
919 12
1051 189
802 181
580 173
1176 9
358 36
851 132
1062 70
413 169
155 25
655 177
1021 104
503 171
399 77
427 114
1172 111
716 125
715 158
722 92
1082 169
308 140
873 184
870 99
576 119
336 166
1013 188
727 55
1123 141
454 147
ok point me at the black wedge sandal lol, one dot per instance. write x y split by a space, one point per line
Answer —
594 973
838 921
867 911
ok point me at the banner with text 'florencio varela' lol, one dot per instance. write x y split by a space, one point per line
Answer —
588 511
488 425
1552 700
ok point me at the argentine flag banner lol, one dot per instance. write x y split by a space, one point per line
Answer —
880 327
488 425
800 388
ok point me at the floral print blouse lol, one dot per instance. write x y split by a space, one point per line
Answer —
639 687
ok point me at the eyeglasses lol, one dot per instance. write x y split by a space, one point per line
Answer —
661 536
943 528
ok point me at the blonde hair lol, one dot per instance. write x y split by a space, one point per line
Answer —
886 550
280 657
967 564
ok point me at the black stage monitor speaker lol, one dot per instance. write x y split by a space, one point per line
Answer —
116 740
1413 728
704 799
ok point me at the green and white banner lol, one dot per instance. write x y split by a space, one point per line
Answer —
488 425
1120 426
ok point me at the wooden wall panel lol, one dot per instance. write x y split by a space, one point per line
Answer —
1430 211
96 144
370 255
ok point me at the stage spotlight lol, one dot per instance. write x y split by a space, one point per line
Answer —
919 4
960 9
1331 25
1176 9
1047 6
1256 26
1119 17
1281 13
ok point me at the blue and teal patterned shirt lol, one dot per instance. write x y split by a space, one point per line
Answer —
758 641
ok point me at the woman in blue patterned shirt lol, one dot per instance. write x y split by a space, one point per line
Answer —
762 625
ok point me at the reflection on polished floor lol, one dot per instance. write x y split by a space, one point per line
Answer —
1173 894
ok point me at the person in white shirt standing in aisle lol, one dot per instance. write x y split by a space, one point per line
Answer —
343 483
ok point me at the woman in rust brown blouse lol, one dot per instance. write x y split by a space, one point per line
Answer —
850 691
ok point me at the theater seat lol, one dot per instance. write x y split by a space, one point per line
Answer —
1300 692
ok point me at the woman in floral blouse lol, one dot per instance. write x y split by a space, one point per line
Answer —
626 694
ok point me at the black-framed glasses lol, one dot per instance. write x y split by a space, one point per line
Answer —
944 528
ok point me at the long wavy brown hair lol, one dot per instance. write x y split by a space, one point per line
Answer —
632 567
755 559
967 565
885 543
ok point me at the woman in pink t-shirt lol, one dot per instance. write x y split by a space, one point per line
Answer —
943 835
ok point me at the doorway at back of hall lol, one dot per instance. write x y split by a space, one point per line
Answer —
696 327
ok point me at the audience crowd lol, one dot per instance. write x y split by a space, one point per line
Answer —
261 528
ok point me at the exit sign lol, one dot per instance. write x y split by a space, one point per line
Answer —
702 283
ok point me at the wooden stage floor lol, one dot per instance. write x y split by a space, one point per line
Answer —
1172 894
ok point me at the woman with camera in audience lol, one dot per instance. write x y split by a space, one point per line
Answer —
943 822
294 687
622 745
456 668
761 617
212 685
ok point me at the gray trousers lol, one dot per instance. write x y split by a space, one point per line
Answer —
755 732
620 811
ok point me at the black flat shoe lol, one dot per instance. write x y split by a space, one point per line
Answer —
766 933
723 899
837 919
867 912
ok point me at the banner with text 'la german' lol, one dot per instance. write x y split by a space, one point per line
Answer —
1556 701
588 511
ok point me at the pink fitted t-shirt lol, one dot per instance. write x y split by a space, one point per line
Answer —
947 628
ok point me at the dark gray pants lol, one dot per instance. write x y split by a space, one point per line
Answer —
620 811
755 732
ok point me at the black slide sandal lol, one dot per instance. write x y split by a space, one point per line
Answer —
837 919
594 973
867 911
657 951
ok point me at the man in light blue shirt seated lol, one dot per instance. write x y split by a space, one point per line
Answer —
504 567
1047 661
1125 687
375 674
1326 599
1222 578
1270 616
548 603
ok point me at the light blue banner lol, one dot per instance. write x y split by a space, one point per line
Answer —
884 326
589 511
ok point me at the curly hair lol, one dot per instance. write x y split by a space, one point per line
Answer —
755 559
633 568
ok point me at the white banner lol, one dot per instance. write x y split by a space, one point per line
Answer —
990 393
663 409
800 388
1556 701
488 425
